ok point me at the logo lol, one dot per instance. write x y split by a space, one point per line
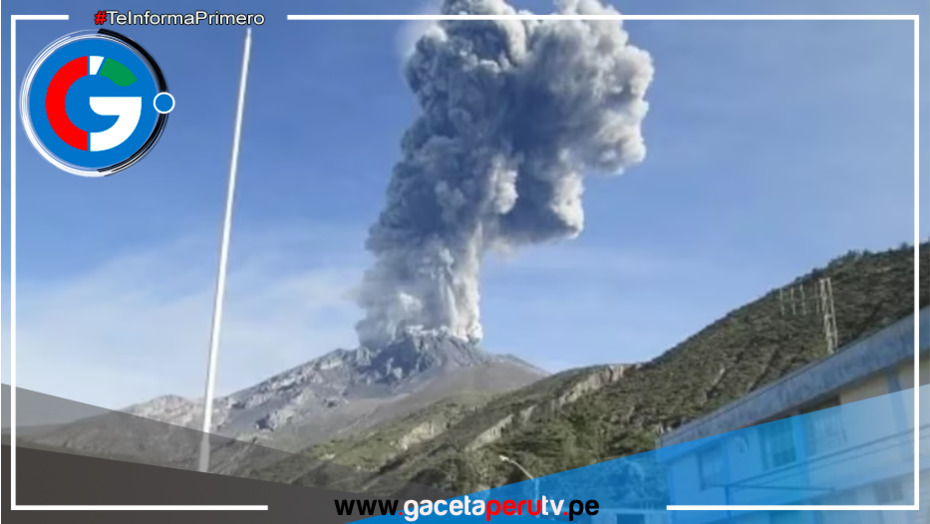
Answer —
94 103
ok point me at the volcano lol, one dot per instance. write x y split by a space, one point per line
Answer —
348 390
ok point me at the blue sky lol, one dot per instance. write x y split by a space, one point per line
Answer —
772 147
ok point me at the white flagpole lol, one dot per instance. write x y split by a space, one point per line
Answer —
224 257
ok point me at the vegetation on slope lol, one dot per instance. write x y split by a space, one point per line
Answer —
554 425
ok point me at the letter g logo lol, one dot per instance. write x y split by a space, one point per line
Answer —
126 109
94 103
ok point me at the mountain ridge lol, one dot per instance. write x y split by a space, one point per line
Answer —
744 349
343 391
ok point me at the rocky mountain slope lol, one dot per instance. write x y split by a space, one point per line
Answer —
584 416
488 416
332 396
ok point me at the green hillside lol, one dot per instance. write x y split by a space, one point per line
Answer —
589 415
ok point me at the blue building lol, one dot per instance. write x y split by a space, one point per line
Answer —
839 431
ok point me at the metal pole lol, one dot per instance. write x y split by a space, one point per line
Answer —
224 257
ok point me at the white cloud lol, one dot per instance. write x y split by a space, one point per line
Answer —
138 325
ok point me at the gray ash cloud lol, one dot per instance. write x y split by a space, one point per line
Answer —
513 115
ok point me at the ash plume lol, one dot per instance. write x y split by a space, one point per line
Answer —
513 115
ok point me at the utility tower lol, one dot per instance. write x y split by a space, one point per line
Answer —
829 315
794 301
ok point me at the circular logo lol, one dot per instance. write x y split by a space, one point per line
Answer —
94 103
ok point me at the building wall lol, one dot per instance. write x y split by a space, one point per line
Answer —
901 377
906 373
888 452
872 387
896 379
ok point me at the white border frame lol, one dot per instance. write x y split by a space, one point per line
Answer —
522 16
